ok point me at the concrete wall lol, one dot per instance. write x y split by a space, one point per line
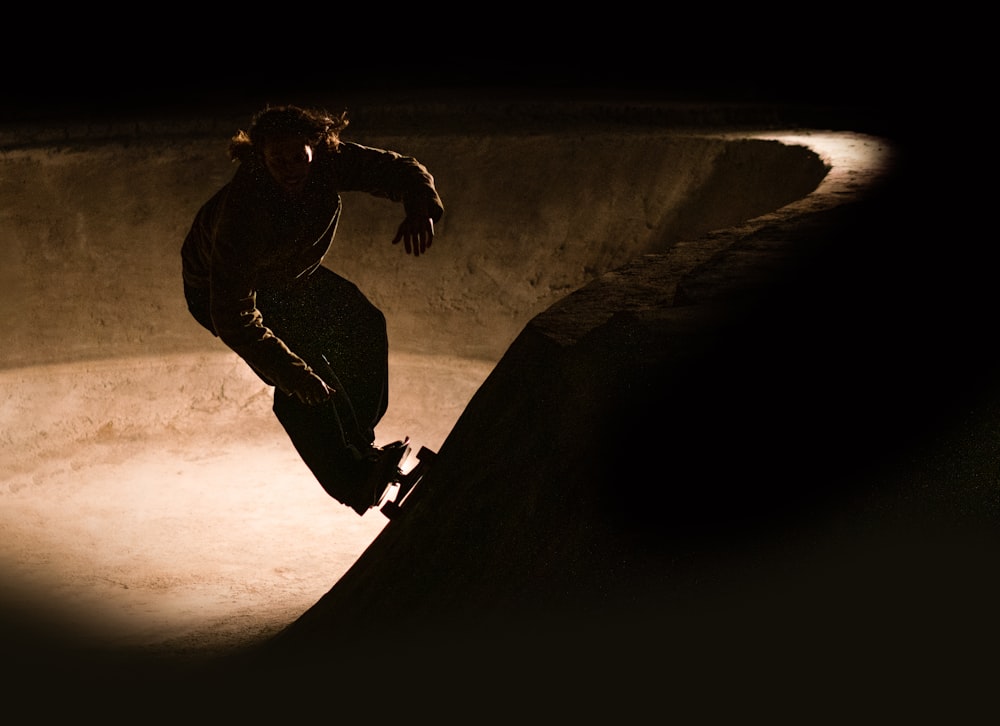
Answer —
90 230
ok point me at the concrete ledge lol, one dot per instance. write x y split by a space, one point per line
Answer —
673 404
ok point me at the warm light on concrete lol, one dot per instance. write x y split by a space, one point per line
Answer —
145 486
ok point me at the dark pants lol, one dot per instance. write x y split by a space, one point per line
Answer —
326 320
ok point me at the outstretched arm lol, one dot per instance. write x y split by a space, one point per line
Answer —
400 178
416 232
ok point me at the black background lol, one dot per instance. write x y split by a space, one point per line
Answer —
98 66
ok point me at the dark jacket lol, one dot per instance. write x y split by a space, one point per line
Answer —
252 236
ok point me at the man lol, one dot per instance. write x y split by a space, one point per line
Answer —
253 276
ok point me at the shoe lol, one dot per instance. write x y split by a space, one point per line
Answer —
383 472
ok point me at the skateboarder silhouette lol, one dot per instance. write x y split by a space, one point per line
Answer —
253 276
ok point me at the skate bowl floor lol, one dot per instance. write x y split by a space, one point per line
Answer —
151 504
149 496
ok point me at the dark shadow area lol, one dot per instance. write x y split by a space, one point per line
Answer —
855 358
848 93
858 386
812 456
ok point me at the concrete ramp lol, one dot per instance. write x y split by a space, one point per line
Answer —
614 345
661 416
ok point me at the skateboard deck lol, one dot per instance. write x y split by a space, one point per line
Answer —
408 482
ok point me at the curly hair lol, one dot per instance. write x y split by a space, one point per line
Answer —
319 129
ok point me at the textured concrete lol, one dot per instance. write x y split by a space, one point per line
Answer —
647 340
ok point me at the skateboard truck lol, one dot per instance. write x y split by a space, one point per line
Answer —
408 481
396 453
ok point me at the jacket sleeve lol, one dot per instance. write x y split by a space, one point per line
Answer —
233 304
390 175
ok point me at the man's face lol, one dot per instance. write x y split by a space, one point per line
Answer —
287 160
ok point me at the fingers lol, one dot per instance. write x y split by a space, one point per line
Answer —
426 234
417 235
419 240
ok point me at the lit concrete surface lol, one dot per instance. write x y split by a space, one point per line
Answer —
153 495
133 495
147 488
186 529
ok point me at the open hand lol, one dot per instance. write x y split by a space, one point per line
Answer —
417 233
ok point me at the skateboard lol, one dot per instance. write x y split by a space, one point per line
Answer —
408 482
